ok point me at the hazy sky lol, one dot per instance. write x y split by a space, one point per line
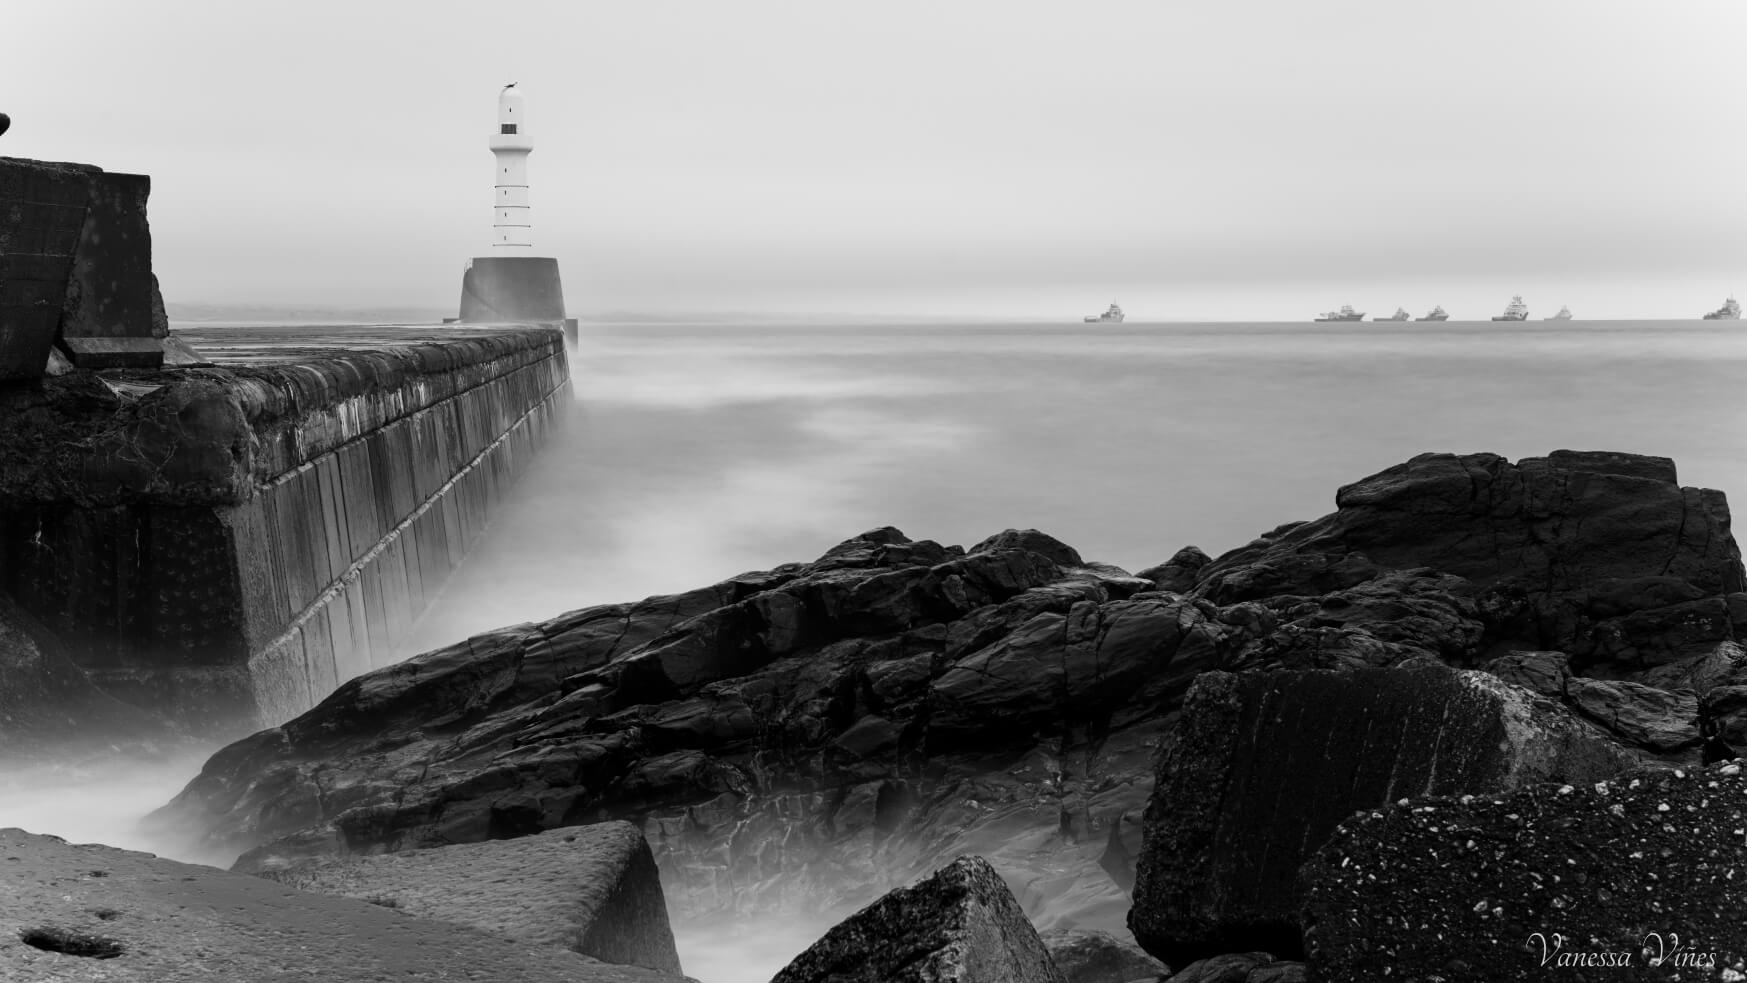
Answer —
1265 159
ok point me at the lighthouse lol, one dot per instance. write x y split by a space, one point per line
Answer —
511 143
511 284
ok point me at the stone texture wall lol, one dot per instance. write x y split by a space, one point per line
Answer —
231 545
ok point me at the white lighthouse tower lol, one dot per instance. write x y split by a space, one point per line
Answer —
511 284
512 228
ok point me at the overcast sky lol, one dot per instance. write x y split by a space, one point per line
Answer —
1264 159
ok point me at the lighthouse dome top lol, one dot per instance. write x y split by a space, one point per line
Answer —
510 105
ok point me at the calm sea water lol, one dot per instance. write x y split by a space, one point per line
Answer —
701 451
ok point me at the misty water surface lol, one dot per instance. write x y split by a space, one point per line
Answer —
702 451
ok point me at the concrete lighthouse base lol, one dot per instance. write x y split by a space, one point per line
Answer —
512 288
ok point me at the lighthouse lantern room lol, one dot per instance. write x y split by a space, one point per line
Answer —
512 228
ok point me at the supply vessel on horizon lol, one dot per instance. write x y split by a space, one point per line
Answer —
1516 310
1399 315
1563 315
1730 311
1435 314
1112 315
1346 313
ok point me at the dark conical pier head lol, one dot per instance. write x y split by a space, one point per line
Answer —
497 289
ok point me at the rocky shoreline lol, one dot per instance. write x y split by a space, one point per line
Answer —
1193 757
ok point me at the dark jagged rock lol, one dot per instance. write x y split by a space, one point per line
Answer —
1655 719
961 925
74 913
590 889
1550 881
1265 765
1599 555
1098 957
851 722
1179 572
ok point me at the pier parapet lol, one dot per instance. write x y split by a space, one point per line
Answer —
225 537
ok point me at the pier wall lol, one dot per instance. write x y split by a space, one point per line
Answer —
229 544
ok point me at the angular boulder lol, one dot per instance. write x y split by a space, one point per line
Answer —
1598 554
793 742
72 913
960 925
589 889
1635 878
1264 766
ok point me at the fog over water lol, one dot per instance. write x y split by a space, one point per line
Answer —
705 450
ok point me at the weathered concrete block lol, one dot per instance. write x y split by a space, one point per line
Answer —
512 288
1637 878
960 925
1265 765
110 288
590 889
92 912
42 210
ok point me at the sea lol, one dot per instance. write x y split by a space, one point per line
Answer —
698 450
701 450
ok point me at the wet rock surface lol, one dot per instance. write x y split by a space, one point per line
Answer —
799 740
74 913
959 925
1643 877
1264 766
589 889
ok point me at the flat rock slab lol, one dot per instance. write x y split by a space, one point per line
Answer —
959 925
142 918
1266 765
1644 877
590 889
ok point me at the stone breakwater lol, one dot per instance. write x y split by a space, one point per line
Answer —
1167 751
225 544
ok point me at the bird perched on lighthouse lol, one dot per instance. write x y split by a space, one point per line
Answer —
512 228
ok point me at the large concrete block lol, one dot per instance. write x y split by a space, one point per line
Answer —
94 912
1634 879
512 288
1264 766
590 889
42 209
110 288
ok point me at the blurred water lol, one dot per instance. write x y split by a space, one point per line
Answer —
706 450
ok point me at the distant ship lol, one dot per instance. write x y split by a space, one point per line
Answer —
1730 311
1436 314
1112 316
1516 310
1346 313
1563 315
1399 315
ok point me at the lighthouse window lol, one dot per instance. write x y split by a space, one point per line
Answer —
509 128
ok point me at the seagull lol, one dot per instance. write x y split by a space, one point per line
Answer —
5 121
510 86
